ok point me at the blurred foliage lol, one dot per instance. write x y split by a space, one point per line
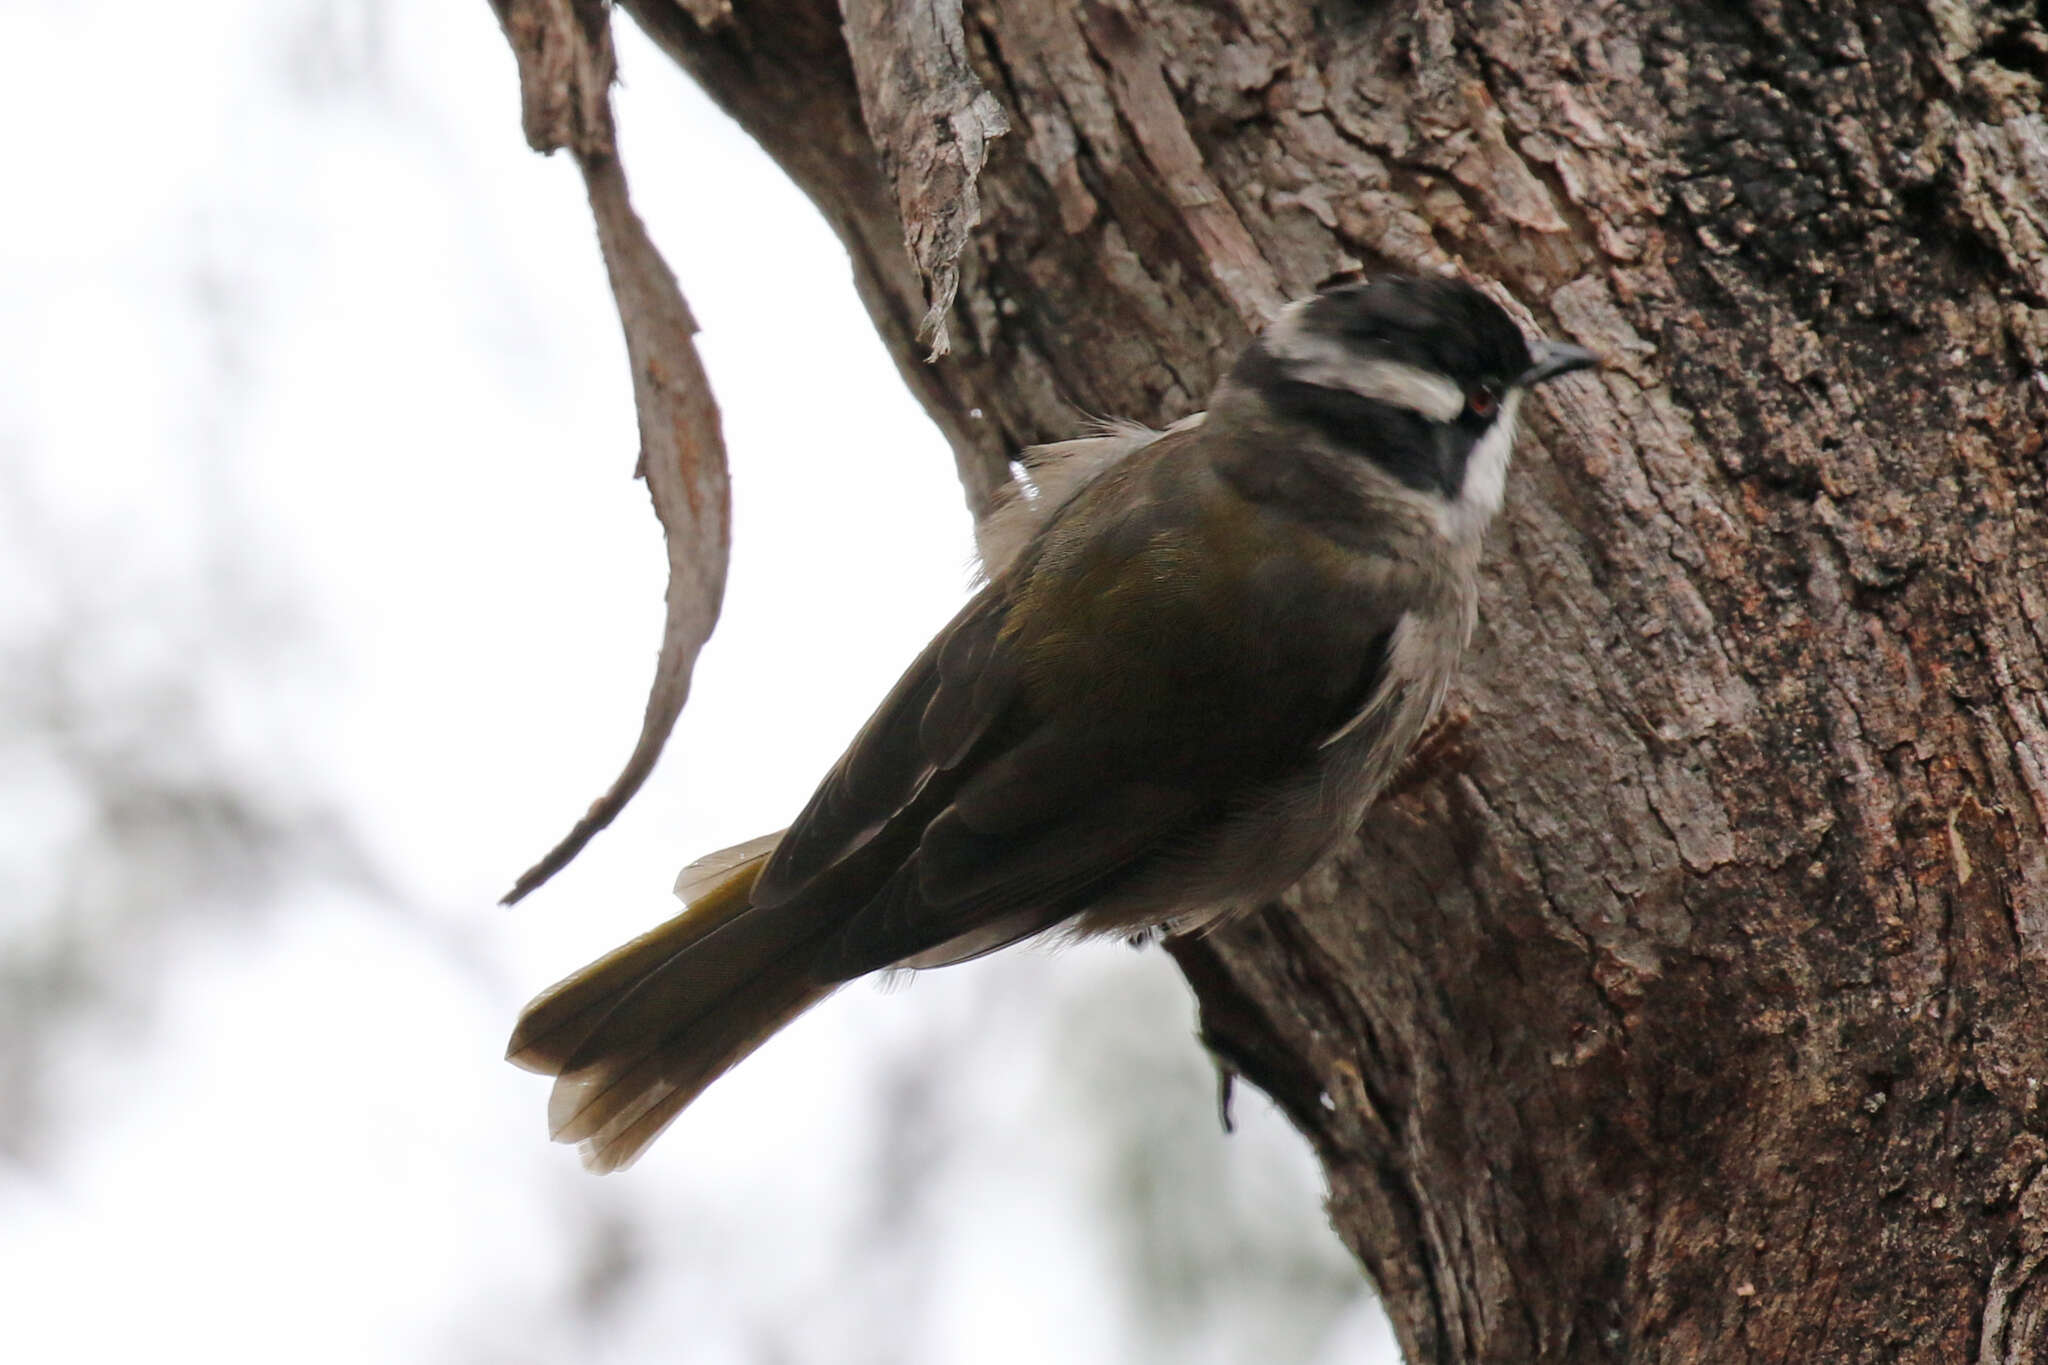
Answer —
129 825
1223 1255
163 803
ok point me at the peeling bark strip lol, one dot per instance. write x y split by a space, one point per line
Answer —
566 67
1692 1009
932 120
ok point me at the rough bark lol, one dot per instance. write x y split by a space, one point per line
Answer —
1689 1007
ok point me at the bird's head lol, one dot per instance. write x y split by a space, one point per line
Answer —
1420 375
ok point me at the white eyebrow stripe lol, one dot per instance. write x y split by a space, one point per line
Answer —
1402 385
1327 363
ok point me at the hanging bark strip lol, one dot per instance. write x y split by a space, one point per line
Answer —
566 66
932 121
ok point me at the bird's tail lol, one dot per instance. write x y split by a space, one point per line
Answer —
639 1033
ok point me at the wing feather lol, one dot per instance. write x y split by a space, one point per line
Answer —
1169 642
930 720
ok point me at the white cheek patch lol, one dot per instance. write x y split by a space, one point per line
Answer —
1328 363
1486 475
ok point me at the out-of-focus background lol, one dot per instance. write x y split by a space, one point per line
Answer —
326 603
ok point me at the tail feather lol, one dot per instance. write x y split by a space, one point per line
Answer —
638 1034
701 876
649 1092
562 1018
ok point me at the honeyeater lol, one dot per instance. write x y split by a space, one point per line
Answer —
1197 657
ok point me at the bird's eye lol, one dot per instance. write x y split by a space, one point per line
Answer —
1481 401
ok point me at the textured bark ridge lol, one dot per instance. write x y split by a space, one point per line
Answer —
1689 1008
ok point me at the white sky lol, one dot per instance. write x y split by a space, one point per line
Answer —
313 408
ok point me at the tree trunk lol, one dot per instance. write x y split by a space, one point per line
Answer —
1686 1006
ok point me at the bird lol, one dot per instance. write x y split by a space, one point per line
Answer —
1197 656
